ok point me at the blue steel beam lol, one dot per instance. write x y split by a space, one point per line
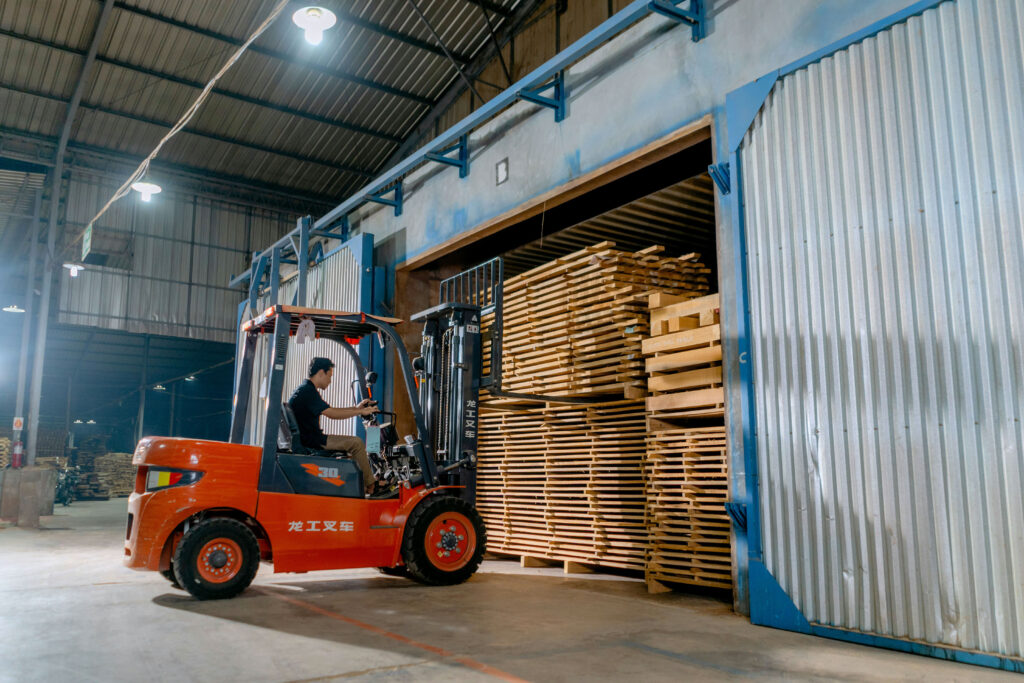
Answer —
530 83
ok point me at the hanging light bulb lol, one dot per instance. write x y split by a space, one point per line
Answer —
314 21
13 308
75 268
146 189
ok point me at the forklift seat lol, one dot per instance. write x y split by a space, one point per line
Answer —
344 478
289 440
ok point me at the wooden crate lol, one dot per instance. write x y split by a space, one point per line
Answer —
565 483
688 485
684 357
574 326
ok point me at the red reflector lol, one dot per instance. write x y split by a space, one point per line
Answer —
174 478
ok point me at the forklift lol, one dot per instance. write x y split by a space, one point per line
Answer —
205 513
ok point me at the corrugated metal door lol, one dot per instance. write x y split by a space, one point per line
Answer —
884 205
336 284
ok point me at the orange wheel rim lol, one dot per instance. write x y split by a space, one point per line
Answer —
219 560
450 541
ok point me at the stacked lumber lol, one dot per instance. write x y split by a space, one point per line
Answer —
565 483
574 326
5 452
684 361
115 473
90 485
52 462
688 486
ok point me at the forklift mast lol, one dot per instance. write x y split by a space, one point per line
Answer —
449 385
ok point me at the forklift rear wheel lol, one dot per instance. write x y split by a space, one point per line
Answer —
217 558
444 541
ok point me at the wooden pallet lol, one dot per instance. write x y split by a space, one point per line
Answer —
574 326
5 452
684 363
688 485
565 483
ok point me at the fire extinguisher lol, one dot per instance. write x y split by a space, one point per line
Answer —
16 457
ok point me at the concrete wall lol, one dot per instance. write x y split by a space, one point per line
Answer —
648 82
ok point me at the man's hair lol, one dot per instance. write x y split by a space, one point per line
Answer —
318 364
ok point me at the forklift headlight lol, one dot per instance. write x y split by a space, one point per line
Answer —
158 478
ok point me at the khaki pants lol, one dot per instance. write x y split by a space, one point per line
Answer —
356 449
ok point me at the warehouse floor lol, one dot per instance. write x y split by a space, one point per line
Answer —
70 611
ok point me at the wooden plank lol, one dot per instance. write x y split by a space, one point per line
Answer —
684 359
683 340
703 377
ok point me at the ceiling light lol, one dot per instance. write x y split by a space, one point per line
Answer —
78 422
13 308
91 422
146 189
160 387
190 378
75 268
314 21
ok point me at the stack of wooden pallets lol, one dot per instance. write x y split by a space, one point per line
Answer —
5 452
574 326
684 362
688 484
115 473
687 466
565 483
90 485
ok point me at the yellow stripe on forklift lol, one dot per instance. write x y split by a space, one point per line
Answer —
163 479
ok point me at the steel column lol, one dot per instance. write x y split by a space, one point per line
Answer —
51 234
30 307
142 392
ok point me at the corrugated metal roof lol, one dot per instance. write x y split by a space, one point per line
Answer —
17 193
287 113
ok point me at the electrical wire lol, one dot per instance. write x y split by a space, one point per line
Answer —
143 168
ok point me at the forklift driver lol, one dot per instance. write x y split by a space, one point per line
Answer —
308 406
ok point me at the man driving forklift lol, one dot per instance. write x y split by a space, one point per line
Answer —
307 406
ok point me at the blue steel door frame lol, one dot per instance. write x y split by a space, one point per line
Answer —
770 605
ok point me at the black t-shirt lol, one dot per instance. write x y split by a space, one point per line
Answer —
307 405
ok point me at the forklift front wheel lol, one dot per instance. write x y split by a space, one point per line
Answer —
217 558
444 541
169 575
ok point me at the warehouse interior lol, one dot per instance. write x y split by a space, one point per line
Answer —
517 339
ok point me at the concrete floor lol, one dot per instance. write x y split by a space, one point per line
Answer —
69 611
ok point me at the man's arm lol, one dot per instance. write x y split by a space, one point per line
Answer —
366 407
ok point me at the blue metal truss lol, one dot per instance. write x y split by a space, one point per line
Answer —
557 101
694 16
380 198
461 158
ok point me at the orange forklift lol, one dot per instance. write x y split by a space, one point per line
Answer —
205 513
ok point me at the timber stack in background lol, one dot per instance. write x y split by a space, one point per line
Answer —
572 483
688 472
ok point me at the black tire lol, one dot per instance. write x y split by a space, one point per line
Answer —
400 572
169 575
216 546
419 552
